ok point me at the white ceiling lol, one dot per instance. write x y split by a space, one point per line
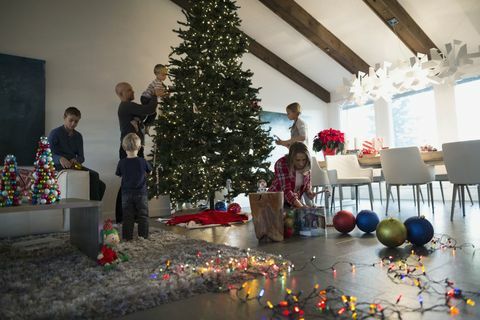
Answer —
353 22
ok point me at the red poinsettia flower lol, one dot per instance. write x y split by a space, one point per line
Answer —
329 138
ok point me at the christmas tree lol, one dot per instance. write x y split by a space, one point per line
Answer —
9 195
45 188
209 129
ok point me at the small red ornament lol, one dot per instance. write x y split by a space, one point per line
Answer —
287 232
234 208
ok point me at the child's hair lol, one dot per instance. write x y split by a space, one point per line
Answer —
131 142
72 111
295 148
294 107
158 68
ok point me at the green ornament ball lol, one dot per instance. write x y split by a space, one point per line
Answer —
391 232
289 222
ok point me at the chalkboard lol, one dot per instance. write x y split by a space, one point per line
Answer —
22 107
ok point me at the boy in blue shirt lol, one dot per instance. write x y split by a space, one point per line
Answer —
133 170
66 144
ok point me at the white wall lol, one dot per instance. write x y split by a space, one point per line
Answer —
89 46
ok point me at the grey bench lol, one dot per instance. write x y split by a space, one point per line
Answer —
84 221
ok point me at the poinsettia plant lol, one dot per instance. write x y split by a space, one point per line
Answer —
329 139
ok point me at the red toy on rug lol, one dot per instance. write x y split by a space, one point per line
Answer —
209 217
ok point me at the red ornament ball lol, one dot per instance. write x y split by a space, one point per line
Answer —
287 232
344 221
234 208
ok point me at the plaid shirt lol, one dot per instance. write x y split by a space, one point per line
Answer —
285 181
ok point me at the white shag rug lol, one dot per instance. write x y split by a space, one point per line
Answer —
57 281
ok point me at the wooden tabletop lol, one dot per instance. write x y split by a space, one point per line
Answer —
431 158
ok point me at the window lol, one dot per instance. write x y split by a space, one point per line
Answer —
467 101
414 119
358 124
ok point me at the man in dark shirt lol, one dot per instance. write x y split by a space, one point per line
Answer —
127 110
67 149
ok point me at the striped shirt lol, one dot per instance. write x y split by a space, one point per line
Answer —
150 91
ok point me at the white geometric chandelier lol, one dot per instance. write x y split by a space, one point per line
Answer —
418 72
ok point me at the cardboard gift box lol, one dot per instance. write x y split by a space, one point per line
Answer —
310 222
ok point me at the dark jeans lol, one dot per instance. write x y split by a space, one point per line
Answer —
97 186
118 202
135 207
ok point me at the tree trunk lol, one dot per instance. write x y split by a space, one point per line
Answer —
212 202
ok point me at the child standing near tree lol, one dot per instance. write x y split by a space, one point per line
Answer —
298 131
133 171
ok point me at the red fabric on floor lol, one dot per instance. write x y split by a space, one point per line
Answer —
209 217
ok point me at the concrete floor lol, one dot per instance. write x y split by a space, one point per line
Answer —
367 283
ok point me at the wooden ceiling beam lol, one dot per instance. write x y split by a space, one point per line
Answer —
278 64
310 28
290 72
402 24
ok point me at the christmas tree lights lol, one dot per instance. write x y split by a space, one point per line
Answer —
209 130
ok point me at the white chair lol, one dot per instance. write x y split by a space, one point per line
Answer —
462 160
73 184
441 176
404 166
320 179
378 177
345 171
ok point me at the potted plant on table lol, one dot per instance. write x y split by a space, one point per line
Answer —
330 141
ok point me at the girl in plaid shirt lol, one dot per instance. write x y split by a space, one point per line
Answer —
292 175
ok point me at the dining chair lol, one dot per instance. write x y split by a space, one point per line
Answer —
345 171
378 177
462 160
319 179
404 166
441 176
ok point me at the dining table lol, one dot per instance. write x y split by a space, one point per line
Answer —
369 161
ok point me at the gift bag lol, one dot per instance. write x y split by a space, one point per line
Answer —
310 222
267 213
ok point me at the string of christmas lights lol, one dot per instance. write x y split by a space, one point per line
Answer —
213 269
332 302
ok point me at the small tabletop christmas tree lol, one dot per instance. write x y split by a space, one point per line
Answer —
45 187
9 195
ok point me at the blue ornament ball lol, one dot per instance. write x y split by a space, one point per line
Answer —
419 230
220 206
367 221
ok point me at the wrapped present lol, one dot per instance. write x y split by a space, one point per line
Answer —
371 148
310 222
